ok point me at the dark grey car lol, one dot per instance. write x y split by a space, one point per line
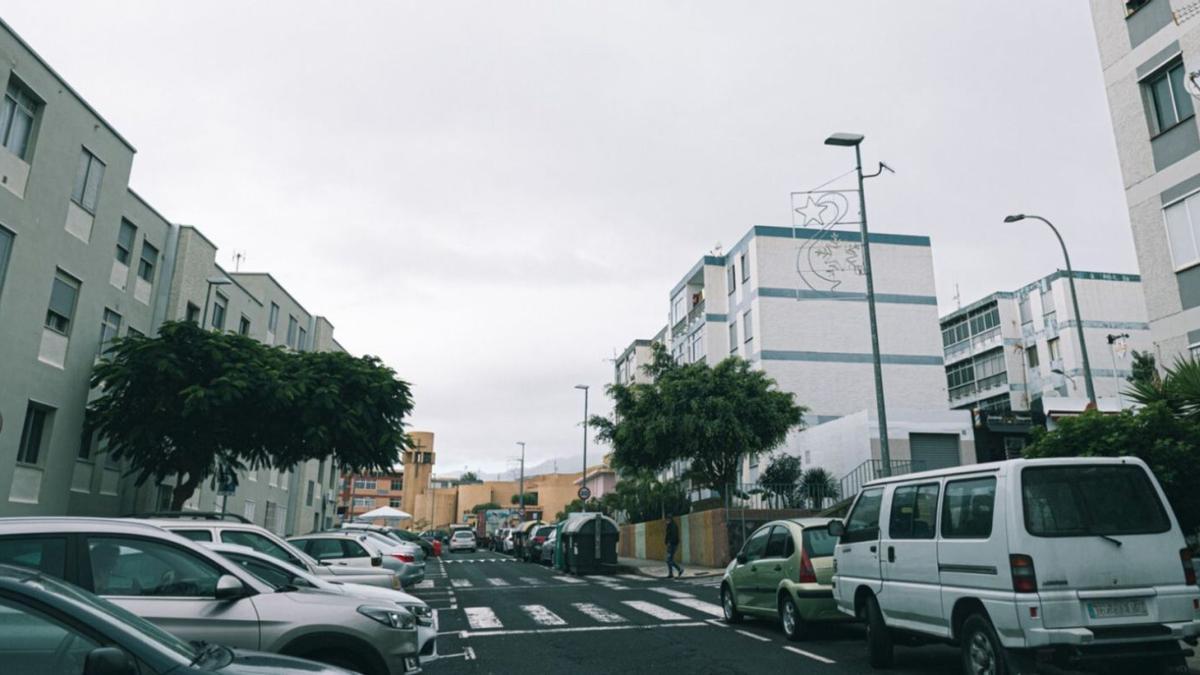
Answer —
52 627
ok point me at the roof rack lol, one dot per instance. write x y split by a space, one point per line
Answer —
193 515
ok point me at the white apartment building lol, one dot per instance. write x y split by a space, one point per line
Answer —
627 367
1150 53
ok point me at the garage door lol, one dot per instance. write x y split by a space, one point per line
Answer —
933 451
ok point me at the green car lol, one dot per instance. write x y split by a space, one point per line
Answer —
785 570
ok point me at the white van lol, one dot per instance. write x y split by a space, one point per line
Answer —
1073 561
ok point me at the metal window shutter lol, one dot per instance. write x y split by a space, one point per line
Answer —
933 451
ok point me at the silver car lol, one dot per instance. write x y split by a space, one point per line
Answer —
280 575
200 596
206 530
348 548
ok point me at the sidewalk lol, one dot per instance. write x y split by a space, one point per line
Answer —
658 568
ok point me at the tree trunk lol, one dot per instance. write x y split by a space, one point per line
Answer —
184 491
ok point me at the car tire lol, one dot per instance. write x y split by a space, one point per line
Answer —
794 626
982 653
879 637
729 606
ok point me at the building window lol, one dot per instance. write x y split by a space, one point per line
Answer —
1031 356
162 501
33 433
1167 99
293 325
86 440
273 319
125 239
960 379
220 303
698 350
1182 231
87 181
63 295
6 245
679 308
308 497
1053 348
16 119
731 277
148 262
990 369
956 332
745 260
109 329
394 503
248 510
244 326
193 314
733 343
984 320
364 484
364 501
747 327
302 343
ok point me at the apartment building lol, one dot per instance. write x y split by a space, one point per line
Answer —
628 366
362 492
84 259
1150 53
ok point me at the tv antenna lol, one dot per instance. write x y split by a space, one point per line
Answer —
238 257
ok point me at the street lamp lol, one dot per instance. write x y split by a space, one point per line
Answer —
1113 353
521 485
212 281
1087 366
1060 371
584 387
855 141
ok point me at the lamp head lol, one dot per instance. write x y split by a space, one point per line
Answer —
844 139
1057 371
582 386
1014 217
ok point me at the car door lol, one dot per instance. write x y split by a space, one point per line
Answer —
169 585
356 553
745 571
858 549
770 568
911 596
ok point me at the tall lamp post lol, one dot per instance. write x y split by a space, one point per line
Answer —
855 141
1087 365
521 485
212 281
584 387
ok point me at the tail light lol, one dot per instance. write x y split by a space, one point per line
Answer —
1023 575
403 557
807 574
1189 571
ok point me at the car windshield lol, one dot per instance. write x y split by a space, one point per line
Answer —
277 575
1098 499
818 542
135 622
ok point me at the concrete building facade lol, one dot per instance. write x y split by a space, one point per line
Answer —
1150 51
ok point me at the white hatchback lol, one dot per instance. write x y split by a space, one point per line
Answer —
1074 561
463 540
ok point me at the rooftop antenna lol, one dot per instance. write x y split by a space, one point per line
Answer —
238 257
717 249
957 296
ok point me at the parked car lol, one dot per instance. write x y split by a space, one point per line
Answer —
53 627
508 544
533 546
395 533
353 549
463 540
403 551
1073 560
197 595
279 574
784 571
498 537
547 555
244 533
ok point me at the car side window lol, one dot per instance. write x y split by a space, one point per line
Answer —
863 523
757 544
259 543
914 512
143 567
777 542
194 535
967 509
323 549
31 642
45 554
352 549
268 574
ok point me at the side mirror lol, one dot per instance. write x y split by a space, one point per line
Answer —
836 528
742 559
108 661
377 560
229 587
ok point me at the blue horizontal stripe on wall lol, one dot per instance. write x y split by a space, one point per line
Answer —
813 233
1126 325
850 357
808 294
715 317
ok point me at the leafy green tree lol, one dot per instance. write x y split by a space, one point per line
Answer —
711 417
1168 442
579 506
817 485
486 506
188 401
468 478
530 499
640 496
1144 367
1178 389
779 480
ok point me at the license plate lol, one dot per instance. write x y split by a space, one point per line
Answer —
1107 609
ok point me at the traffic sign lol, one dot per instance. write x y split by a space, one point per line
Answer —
584 493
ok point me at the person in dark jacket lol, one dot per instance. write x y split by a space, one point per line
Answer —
672 542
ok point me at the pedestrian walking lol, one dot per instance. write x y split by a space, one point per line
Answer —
672 542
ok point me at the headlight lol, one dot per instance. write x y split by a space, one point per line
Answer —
391 617
423 614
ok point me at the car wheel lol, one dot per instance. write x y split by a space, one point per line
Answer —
982 653
729 607
879 638
789 617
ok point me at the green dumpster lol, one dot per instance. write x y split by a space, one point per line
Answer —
589 543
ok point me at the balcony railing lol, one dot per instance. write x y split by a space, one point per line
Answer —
868 471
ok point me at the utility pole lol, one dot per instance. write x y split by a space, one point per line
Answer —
521 485
584 387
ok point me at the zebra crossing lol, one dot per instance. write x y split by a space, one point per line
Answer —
464 561
581 615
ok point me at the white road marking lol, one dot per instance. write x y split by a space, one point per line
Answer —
700 605
598 613
571 580
752 635
497 582
717 622
577 629
815 657
461 583
532 581
543 616
469 653
655 611
482 618
633 577
671 592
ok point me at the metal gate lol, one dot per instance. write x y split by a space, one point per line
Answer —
933 451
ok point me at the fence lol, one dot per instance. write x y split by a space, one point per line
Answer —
778 496
868 471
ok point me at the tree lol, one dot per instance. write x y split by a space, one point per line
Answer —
641 496
579 506
779 480
711 417
1178 389
486 506
468 478
1145 370
530 499
818 485
189 402
1166 441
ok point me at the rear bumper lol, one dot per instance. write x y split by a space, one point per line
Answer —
1084 637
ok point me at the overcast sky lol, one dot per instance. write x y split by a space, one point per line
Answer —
495 197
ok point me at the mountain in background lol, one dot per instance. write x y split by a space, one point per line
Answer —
558 464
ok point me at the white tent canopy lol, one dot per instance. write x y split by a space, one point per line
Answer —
384 512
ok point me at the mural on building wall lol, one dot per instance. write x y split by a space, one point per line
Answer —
826 258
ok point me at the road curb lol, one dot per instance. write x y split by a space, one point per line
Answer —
644 572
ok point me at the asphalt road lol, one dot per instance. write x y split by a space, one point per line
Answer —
497 615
